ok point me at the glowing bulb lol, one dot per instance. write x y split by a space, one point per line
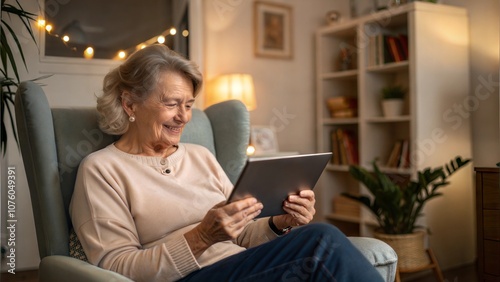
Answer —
122 54
88 53
250 150
161 39
185 33
173 31
65 38
48 28
41 23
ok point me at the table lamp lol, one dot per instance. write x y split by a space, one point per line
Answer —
237 86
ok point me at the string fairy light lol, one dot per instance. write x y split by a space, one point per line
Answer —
89 52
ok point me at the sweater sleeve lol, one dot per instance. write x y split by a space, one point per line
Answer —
256 233
102 220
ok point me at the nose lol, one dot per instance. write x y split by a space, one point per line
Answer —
182 114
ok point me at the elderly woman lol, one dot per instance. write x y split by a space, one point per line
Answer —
154 209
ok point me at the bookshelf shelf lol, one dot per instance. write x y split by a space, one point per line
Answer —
333 167
428 74
347 74
404 118
389 67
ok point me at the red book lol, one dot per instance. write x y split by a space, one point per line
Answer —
391 40
403 42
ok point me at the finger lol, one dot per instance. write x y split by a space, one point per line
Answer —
239 205
248 213
307 193
295 200
300 212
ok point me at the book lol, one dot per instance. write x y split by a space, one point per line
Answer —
342 148
393 49
393 159
335 148
403 161
403 42
351 148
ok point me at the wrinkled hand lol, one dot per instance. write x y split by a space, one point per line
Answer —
226 221
300 210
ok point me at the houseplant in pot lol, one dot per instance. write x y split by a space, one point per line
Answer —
10 45
397 206
393 100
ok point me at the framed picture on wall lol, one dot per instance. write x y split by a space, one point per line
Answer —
273 30
264 140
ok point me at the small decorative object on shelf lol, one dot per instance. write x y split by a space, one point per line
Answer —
332 17
346 58
393 100
342 107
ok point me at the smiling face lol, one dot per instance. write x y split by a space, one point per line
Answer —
160 119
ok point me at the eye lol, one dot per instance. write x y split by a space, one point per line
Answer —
170 105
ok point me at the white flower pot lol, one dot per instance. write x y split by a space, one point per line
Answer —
392 107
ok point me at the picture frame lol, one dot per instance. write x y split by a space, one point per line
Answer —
264 140
273 30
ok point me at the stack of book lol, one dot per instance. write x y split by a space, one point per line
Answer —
384 48
344 147
343 107
400 155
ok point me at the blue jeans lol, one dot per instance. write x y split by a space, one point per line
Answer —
315 252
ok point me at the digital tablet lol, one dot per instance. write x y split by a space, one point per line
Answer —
272 179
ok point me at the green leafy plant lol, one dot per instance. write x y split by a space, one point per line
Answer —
398 207
393 92
9 84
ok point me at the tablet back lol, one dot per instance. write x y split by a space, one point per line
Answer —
272 179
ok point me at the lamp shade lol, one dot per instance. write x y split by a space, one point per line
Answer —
229 87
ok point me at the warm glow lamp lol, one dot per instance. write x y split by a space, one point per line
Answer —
231 87
236 86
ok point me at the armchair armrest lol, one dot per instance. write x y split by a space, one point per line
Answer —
63 268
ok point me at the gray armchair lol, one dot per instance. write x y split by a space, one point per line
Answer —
54 141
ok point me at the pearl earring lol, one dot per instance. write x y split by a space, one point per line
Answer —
131 118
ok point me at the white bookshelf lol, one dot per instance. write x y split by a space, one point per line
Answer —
436 75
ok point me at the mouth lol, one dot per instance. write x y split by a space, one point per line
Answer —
174 129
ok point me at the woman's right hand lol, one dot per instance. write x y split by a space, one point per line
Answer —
221 223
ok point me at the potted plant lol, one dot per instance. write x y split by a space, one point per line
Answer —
397 206
8 83
393 100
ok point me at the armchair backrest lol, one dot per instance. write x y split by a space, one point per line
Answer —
54 141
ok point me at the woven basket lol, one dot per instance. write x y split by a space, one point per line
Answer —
409 248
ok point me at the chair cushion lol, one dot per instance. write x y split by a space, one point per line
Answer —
379 254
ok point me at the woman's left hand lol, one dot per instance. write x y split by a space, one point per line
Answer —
300 210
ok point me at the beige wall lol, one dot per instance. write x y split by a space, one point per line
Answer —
285 88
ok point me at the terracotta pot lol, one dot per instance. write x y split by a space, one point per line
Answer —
409 247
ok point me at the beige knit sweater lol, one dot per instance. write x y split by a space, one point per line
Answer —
130 212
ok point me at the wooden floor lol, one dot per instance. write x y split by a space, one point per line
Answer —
462 274
467 273
25 276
